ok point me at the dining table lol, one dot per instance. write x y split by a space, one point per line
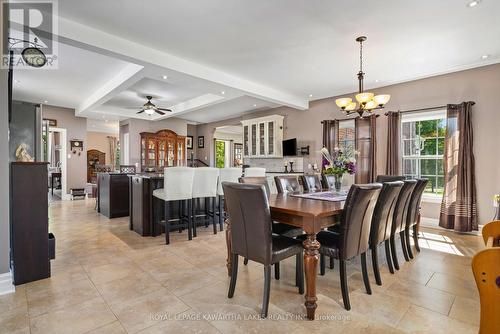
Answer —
312 215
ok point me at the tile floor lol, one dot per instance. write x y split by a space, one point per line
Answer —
107 279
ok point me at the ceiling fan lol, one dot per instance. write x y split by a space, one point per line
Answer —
150 108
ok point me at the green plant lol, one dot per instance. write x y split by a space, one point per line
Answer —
220 152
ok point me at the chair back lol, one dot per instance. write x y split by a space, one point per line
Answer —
258 180
251 224
402 204
311 182
205 182
287 184
127 169
384 212
254 171
328 181
356 219
389 178
178 183
414 205
103 168
228 175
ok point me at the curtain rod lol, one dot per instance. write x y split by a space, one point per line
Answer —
425 109
345 119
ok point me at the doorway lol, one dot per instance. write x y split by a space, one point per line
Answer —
222 153
55 153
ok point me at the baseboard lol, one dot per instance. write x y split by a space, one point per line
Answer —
6 285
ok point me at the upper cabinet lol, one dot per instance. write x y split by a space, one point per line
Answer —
262 137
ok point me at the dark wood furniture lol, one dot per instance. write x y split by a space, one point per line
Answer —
29 221
144 208
113 194
311 216
162 149
94 158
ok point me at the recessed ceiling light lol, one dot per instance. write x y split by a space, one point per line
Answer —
106 120
165 77
255 105
376 80
223 92
45 101
473 3
310 95
483 57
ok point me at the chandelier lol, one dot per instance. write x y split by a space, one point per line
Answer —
368 102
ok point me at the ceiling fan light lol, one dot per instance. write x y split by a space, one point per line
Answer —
382 99
364 97
351 106
343 102
150 111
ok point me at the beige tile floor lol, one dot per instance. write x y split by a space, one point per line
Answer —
107 279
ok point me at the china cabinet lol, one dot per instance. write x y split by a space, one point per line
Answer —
262 137
162 149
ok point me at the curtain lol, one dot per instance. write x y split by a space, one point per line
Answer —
458 208
366 145
112 151
330 137
393 165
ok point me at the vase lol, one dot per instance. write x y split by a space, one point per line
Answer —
338 182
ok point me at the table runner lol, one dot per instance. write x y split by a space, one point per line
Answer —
323 196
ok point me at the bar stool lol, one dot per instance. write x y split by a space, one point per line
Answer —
255 171
205 186
226 175
177 186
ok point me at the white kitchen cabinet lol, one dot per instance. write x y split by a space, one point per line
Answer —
263 137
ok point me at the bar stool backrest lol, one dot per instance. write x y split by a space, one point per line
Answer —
228 175
205 182
178 183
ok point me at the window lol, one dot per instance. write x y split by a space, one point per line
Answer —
422 141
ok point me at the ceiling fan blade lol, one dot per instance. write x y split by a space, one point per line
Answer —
140 112
159 112
164 109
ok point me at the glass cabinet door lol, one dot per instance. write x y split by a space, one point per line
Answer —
270 138
245 140
170 152
254 139
143 152
262 141
180 152
162 145
151 152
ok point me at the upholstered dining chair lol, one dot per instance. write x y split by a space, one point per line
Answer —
412 218
205 187
380 231
389 178
254 171
399 220
231 174
353 234
287 184
252 237
311 182
177 186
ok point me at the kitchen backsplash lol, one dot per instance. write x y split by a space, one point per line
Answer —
277 164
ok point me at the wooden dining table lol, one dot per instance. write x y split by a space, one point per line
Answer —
312 215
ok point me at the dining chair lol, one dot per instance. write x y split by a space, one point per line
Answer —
287 184
100 169
412 218
278 228
205 187
252 237
311 182
389 178
231 174
127 169
254 171
399 220
380 231
177 187
354 233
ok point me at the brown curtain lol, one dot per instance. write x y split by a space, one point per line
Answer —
393 165
458 208
366 145
330 134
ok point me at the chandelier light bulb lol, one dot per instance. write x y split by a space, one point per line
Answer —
343 102
363 98
370 105
351 106
381 99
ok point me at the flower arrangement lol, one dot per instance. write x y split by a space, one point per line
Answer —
340 162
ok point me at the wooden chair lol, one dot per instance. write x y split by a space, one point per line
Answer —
486 269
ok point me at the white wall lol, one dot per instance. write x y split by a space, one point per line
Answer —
99 141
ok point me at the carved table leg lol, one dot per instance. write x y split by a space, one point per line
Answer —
311 257
228 245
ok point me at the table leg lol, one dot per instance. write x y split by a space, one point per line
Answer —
311 257
228 245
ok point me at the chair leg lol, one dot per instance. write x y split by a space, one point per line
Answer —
376 270
332 263
181 207
234 274
415 237
408 244
267 290
364 270
388 256
245 261
213 214
167 224
393 251
193 215
299 272
206 211
403 245
277 271
189 227
221 213
321 264
343 284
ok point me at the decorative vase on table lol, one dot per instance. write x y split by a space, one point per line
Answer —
338 182
339 163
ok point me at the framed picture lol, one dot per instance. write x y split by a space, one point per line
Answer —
189 142
201 142
52 122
